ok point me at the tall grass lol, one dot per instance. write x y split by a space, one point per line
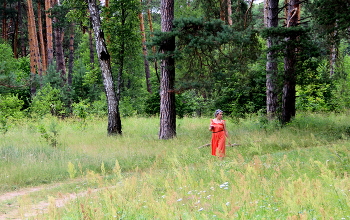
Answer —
299 171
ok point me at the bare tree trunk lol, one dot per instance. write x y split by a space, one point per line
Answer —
61 64
49 38
41 39
144 50
271 20
71 55
22 37
17 24
288 95
35 61
91 47
333 53
229 12
114 122
167 95
149 16
248 14
223 10
4 22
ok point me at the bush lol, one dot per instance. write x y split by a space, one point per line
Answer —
10 109
48 100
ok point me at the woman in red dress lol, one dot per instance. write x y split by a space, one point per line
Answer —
219 135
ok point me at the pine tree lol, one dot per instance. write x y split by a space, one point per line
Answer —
167 95
271 21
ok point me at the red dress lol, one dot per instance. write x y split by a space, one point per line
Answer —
218 138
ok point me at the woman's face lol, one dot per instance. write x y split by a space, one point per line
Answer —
219 116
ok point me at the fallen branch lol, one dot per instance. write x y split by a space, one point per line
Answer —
230 145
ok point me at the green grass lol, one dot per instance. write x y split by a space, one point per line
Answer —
299 171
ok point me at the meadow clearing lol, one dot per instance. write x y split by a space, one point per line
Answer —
300 171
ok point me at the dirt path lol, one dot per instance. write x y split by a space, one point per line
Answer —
14 211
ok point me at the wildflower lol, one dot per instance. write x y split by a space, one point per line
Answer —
227 203
201 209
179 200
224 185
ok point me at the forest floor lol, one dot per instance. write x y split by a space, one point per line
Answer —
13 208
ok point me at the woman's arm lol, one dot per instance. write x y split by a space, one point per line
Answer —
211 126
226 132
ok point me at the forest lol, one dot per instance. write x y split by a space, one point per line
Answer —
105 108
121 58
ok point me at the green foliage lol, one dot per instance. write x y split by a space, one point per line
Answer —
87 83
192 104
77 12
50 134
313 97
331 15
11 106
14 74
216 60
341 91
10 109
71 170
152 104
48 100
80 109
99 107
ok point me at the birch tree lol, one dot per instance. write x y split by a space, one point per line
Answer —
114 121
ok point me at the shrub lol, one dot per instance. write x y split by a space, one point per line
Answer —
48 100
10 109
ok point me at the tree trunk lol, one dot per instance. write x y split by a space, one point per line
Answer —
271 21
223 10
167 95
71 55
144 50
35 61
41 39
22 25
17 25
288 95
4 22
49 38
91 48
248 14
149 16
114 122
333 53
229 12
61 64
